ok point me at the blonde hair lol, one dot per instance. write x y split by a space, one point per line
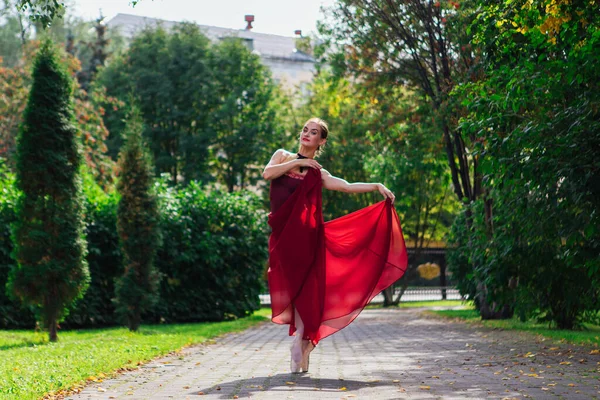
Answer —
324 132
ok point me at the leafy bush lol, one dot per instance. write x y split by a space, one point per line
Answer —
213 257
12 314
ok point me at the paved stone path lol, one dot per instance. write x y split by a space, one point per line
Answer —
384 354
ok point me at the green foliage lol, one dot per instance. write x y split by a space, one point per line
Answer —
244 118
213 257
42 11
138 227
174 85
209 109
534 113
15 84
104 258
11 44
12 313
49 245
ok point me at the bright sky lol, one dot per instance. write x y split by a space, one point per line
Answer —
280 17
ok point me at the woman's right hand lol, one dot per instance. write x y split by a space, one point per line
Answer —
308 162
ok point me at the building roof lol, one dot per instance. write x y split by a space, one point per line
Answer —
263 44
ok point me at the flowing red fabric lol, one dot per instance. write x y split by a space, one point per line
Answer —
328 271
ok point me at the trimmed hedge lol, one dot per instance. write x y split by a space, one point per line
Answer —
212 258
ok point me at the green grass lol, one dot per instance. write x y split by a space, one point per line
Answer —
589 336
417 304
30 366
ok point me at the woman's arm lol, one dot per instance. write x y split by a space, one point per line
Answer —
333 183
275 168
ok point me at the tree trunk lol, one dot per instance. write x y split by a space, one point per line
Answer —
443 277
388 296
401 292
53 330
134 321
487 310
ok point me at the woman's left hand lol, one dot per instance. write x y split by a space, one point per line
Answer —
385 192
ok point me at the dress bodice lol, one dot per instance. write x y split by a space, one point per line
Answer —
282 188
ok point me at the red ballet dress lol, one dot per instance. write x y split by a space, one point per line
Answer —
329 270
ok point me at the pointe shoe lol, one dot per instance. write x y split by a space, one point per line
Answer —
306 356
296 357
295 367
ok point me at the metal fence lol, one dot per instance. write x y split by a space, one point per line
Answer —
430 293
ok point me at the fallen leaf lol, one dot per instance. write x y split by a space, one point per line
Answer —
290 383
571 385
565 363
343 388
396 380
186 387
101 389
595 351
425 387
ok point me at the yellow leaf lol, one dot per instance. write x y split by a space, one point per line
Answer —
343 388
101 389
595 351
565 363
290 383
571 385
425 387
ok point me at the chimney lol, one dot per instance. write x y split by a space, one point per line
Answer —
249 19
298 32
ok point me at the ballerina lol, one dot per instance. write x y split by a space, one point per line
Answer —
321 275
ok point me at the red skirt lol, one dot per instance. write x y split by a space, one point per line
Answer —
330 271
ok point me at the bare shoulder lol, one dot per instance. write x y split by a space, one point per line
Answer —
280 156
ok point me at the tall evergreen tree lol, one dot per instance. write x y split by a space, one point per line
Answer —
49 245
137 225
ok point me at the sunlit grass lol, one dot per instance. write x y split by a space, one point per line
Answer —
30 366
589 336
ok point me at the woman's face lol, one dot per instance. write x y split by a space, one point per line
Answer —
310 136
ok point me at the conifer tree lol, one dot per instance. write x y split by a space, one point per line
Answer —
49 244
137 225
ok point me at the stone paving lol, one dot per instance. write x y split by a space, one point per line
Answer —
384 354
